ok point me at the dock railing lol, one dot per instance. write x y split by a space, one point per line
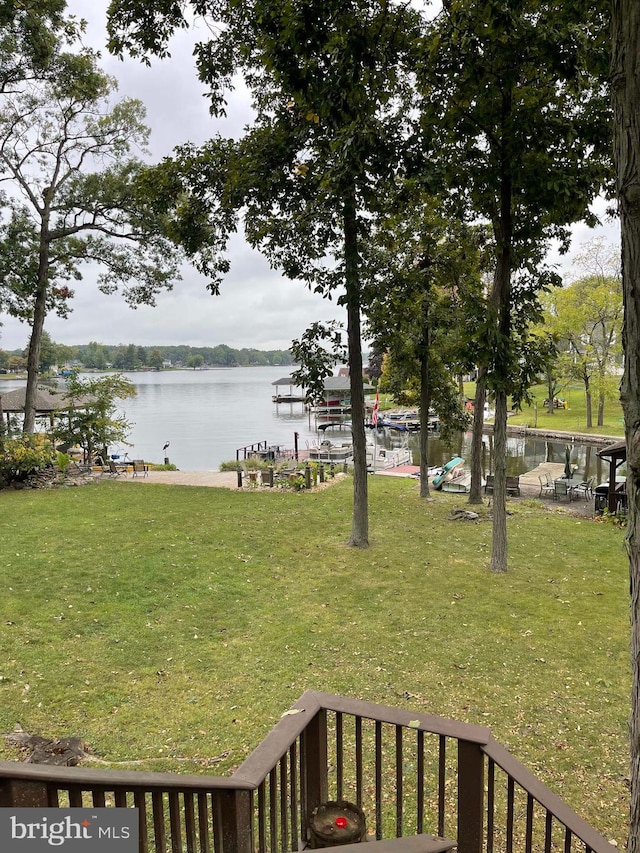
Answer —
410 772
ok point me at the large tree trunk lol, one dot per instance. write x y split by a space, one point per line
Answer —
475 490
360 524
626 96
35 341
425 402
502 366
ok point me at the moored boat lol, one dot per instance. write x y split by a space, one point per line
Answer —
447 472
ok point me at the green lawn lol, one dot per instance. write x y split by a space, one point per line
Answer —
166 622
572 419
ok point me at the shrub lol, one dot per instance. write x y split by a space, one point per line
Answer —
20 457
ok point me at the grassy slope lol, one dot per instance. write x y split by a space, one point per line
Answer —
160 621
573 419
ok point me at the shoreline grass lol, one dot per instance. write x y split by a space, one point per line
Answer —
162 623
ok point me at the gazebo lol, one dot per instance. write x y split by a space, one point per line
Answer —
48 401
615 454
291 397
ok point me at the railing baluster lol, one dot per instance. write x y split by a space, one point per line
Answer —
315 770
529 830
120 796
420 781
273 810
567 840
159 830
293 794
491 803
304 801
140 802
262 819
190 823
98 798
75 797
203 823
378 779
442 775
359 761
510 803
548 831
399 781
339 757
470 796
284 822
174 822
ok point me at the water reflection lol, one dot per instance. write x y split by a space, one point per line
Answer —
524 453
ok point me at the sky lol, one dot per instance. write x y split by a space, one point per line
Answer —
257 307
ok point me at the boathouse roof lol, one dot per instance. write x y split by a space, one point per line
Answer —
331 383
46 400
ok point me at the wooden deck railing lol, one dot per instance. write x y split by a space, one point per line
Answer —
409 772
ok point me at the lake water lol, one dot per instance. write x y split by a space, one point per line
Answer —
206 415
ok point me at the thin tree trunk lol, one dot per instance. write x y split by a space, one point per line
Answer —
499 543
551 393
475 490
425 404
601 409
588 401
626 98
360 523
35 341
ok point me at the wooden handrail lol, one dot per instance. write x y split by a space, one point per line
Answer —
130 779
546 798
295 754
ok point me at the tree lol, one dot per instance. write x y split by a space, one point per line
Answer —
626 98
327 79
28 39
586 316
155 359
17 364
516 93
94 356
92 421
195 361
48 354
424 295
61 214
317 353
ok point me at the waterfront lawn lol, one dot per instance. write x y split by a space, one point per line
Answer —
162 623
571 420
574 418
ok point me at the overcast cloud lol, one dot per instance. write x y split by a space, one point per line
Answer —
257 306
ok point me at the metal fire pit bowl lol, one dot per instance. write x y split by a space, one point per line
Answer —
334 824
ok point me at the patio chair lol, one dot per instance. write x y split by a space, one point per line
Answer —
585 489
115 470
562 489
139 467
546 486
